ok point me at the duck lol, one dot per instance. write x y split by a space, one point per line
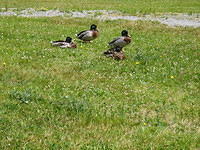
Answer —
64 44
121 41
116 53
88 35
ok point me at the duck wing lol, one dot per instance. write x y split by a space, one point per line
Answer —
118 42
113 41
58 43
87 35
82 34
66 45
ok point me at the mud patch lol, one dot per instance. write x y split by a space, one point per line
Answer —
174 20
184 20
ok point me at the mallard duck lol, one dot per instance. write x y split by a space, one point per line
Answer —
89 35
115 53
121 41
64 44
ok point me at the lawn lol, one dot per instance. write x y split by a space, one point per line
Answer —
126 6
52 98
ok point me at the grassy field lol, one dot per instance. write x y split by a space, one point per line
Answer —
52 98
126 6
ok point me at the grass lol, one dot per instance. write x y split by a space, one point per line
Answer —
52 98
77 99
126 6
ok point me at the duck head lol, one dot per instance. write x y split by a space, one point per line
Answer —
124 33
93 27
68 39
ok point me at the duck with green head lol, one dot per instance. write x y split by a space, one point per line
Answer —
88 35
121 41
68 43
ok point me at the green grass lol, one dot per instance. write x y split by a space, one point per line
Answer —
54 98
127 6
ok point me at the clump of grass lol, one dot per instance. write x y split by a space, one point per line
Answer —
77 106
25 96
73 106
43 9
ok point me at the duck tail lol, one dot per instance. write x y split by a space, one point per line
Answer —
77 36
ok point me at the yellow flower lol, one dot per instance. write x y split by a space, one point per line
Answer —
172 77
137 62
145 124
4 63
